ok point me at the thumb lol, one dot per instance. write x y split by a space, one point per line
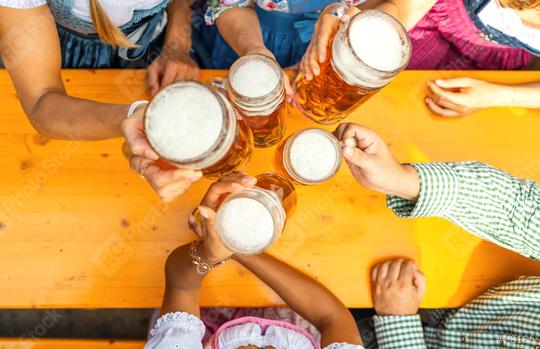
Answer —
419 281
210 216
355 156
454 83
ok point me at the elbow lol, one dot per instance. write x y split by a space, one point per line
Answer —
41 115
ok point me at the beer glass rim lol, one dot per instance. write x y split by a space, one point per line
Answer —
275 208
219 140
396 23
289 167
272 63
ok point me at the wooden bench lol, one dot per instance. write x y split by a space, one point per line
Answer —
10 343
79 230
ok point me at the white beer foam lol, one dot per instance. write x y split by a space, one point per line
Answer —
254 78
377 43
313 156
246 224
184 122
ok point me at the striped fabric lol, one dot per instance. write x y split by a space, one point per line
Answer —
447 39
498 207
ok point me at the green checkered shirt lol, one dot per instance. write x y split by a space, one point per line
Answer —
500 208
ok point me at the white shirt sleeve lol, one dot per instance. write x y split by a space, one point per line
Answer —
177 330
22 3
343 346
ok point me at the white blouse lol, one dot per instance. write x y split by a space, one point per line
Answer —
120 12
183 330
508 21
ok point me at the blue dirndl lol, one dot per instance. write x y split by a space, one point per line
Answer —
82 48
287 35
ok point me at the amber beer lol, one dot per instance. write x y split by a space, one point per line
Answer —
192 126
310 156
250 221
366 54
256 88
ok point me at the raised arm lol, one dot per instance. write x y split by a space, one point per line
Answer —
182 280
239 25
31 53
329 315
483 200
408 12
174 63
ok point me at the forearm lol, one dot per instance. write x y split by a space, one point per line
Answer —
178 35
59 116
241 29
293 287
183 283
481 199
526 95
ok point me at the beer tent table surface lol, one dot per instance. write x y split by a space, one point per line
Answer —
79 229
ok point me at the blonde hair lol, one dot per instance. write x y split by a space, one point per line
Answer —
106 30
520 4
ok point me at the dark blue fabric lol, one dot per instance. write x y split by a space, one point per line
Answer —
304 6
473 9
87 51
287 35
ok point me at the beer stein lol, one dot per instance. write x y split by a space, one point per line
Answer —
250 221
366 54
310 156
192 126
256 87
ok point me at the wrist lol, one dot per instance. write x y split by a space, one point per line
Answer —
505 96
177 43
408 183
404 312
212 255
259 49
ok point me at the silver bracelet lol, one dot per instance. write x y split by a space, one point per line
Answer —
201 266
133 107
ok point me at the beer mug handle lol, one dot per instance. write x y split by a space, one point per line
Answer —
219 84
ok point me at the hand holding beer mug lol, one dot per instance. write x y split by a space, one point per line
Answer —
256 87
203 222
367 52
249 218
191 126
373 165
326 27
168 183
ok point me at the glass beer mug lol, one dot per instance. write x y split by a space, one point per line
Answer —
192 126
310 156
366 54
250 221
256 87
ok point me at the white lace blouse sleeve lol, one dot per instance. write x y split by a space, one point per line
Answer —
22 3
177 330
343 346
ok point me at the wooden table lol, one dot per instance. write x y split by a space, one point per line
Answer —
78 229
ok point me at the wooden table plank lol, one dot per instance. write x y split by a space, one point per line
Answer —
78 229
42 343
